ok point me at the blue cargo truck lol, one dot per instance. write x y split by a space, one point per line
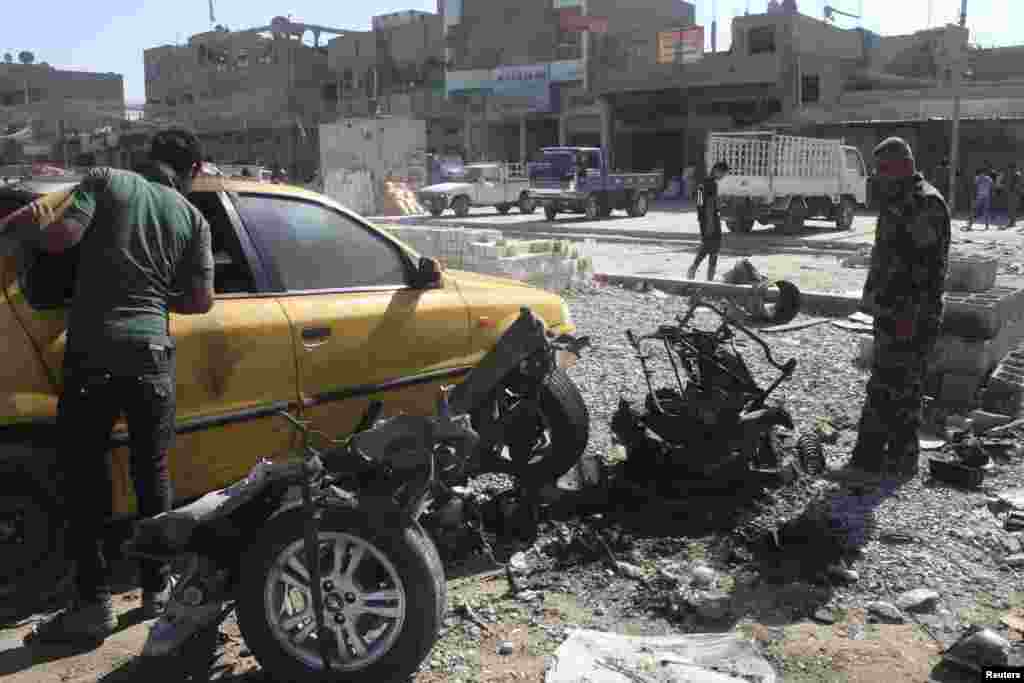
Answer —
577 180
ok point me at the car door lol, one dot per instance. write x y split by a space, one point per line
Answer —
360 330
231 362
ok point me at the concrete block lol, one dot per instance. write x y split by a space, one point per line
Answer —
982 315
971 274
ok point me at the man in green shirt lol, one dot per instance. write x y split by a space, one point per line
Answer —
145 250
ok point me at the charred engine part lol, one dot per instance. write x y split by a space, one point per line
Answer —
713 424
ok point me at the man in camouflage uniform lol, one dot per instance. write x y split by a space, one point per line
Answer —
904 294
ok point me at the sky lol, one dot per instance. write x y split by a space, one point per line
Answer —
110 35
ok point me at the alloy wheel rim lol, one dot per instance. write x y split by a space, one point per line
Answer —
364 602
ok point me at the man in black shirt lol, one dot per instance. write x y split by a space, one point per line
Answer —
710 221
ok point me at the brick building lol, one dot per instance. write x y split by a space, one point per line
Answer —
56 104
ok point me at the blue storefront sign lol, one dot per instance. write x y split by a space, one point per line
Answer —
532 83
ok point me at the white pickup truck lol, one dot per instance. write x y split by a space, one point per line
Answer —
486 184
783 180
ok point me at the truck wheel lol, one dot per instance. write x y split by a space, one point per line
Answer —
792 225
550 212
32 538
741 225
638 208
503 208
461 207
436 210
845 213
527 205
592 208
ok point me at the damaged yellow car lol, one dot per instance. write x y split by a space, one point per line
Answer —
314 307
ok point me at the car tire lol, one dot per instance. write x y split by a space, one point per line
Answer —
526 205
592 207
461 207
411 554
638 207
550 212
845 213
435 212
568 423
503 209
35 565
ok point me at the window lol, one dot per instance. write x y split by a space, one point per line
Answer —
231 274
854 163
242 59
811 88
761 40
314 247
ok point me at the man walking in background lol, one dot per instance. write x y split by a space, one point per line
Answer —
983 184
145 251
904 294
710 221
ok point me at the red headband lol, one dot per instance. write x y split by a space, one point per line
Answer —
896 168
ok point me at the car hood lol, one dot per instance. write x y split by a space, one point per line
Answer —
478 280
446 188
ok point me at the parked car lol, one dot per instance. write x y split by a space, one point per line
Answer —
315 307
487 184
783 180
578 180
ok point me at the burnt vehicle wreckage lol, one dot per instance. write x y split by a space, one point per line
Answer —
713 428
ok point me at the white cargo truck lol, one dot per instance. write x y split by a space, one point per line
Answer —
485 184
783 180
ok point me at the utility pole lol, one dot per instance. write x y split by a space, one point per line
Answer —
954 155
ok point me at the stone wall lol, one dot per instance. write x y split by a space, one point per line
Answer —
544 263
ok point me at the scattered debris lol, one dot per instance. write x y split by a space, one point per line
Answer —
885 612
743 273
708 657
703 576
843 574
824 616
918 600
1013 622
1013 498
1015 561
519 564
1015 521
466 612
506 647
630 571
789 327
979 648
955 473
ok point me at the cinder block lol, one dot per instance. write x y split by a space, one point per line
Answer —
960 389
983 315
1004 393
971 274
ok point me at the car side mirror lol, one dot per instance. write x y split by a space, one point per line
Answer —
428 273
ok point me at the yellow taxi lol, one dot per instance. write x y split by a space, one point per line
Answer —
317 311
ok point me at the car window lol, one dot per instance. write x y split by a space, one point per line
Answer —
491 174
231 273
315 247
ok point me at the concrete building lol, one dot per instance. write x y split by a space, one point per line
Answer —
797 73
394 69
520 70
255 94
55 104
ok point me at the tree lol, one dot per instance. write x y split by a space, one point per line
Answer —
26 57
8 58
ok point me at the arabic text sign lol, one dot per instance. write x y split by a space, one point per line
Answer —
681 46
